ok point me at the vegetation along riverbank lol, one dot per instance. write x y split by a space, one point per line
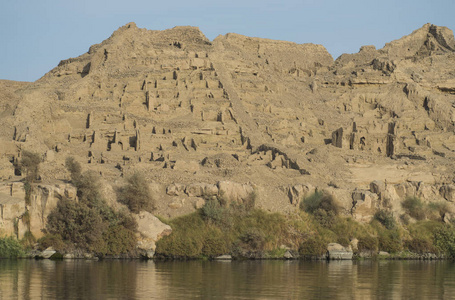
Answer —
89 228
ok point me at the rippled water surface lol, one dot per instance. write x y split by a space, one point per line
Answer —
131 279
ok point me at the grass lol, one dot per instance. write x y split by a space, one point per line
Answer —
415 208
385 218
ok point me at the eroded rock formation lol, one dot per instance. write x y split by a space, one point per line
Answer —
240 114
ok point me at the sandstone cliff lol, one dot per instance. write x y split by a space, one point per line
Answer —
239 115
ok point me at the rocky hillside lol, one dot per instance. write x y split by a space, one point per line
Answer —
241 117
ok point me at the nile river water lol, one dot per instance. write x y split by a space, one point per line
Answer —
134 279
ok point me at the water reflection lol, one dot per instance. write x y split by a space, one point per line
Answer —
80 279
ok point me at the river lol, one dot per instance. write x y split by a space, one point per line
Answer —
135 279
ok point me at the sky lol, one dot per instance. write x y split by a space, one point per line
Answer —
36 35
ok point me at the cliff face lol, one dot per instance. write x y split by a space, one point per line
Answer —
238 114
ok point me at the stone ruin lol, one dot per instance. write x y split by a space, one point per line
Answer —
239 113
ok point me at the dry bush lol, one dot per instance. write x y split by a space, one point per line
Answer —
29 164
136 194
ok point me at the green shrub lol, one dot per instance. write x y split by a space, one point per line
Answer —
92 228
444 240
322 206
324 218
250 201
312 202
421 236
117 240
385 218
186 239
313 246
390 241
415 208
10 248
88 188
212 211
74 167
438 210
320 201
198 235
368 243
214 243
273 226
347 229
76 222
253 239
51 240
421 245
29 164
136 194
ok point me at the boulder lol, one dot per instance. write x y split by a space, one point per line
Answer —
234 192
195 190
448 192
354 244
69 256
338 252
288 255
47 253
150 230
224 257
201 190
150 226
175 189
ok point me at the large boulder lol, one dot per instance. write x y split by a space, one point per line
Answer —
338 252
234 192
150 230
47 253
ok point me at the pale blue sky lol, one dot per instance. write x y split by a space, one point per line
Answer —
36 35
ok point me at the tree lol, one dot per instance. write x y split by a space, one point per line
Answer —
29 164
136 194
74 167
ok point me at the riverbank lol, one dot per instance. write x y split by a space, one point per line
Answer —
242 232
318 230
